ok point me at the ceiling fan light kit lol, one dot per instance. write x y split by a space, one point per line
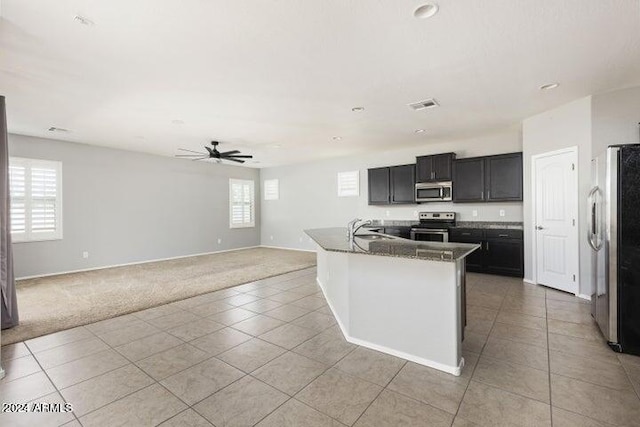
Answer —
213 153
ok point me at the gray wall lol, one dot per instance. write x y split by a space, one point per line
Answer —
566 126
308 192
615 117
125 207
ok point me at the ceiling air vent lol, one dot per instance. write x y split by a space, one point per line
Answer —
422 105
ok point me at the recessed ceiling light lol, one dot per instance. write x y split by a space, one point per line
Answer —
84 21
177 122
426 11
427 103
549 86
55 129
276 146
336 138
357 109
419 130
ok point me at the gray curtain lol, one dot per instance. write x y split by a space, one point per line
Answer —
7 280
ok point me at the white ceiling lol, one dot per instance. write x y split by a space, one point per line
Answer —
254 74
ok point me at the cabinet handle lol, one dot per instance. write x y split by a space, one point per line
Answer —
466 234
433 175
503 235
488 194
487 245
482 194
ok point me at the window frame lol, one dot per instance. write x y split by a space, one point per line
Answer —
29 235
252 223
342 191
273 181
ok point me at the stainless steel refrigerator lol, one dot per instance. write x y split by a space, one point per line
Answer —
614 235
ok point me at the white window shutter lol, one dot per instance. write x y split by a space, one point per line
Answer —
349 184
36 199
241 203
271 189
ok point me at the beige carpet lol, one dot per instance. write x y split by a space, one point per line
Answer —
54 303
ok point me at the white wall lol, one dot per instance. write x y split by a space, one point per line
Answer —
615 118
308 195
124 207
566 126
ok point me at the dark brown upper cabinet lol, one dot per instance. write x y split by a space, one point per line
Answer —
434 168
392 185
379 186
504 177
468 180
488 179
403 179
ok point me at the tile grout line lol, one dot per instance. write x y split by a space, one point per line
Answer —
478 361
546 322
52 383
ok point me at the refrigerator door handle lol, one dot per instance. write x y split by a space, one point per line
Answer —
593 230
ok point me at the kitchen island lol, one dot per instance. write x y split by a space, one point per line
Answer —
397 296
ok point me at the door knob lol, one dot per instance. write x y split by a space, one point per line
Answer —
539 227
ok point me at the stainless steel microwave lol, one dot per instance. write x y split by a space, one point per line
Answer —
433 192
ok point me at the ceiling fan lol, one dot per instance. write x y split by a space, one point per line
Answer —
213 153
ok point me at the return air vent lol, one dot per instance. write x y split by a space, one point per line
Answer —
422 105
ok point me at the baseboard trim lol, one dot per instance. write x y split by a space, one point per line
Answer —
287 248
454 370
583 296
134 263
531 282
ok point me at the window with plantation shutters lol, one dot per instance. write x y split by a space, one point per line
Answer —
241 203
348 183
36 202
271 190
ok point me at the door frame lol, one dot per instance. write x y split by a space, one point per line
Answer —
534 206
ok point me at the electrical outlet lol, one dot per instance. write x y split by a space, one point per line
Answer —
85 254
300 239
502 212
415 214
219 241
388 213
474 212
270 237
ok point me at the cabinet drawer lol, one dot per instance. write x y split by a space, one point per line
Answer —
503 234
465 233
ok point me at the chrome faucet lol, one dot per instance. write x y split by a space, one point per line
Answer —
353 227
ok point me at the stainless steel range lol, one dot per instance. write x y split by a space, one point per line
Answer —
433 226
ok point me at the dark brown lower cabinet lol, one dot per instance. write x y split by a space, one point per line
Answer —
501 251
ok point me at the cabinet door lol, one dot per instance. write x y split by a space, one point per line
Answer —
442 164
424 169
379 186
504 257
475 261
468 180
403 184
504 177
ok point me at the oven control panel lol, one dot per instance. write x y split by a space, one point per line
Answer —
442 216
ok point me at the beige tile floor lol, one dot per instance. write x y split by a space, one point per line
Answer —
269 353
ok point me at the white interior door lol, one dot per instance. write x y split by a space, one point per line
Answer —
556 219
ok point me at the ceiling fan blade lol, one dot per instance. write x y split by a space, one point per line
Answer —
201 158
233 160
209 150
235 156
190 155
229 152
191 151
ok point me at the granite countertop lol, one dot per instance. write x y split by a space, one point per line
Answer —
490 224
337 240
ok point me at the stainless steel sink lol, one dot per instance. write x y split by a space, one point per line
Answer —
373 237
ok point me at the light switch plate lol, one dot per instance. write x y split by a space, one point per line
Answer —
502 212
474 212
